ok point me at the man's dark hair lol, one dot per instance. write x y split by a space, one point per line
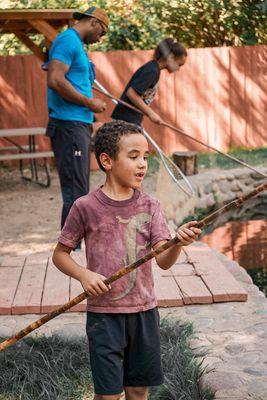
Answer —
108 136
169 46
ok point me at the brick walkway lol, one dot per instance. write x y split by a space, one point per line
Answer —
32 285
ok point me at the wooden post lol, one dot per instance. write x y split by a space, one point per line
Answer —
186 161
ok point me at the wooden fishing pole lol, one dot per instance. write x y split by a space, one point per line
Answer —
129 268
181 132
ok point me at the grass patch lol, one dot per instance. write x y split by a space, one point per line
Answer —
257 156
259 277
45 368
56 369
182 366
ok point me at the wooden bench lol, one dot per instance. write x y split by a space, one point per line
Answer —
26 152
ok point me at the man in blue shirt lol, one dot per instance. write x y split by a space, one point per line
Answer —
71 104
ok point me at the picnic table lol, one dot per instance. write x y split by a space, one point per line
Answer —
29 152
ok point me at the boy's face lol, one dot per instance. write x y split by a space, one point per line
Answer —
130 166
173 63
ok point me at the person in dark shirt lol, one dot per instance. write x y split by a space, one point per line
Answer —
141 89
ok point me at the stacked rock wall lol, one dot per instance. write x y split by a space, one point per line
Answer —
212 190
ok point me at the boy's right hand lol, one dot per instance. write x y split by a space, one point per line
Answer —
93 283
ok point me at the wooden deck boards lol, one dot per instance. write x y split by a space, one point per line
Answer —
33 285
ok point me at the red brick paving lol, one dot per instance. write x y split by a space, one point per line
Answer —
32 284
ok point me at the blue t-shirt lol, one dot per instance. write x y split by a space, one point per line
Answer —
68 48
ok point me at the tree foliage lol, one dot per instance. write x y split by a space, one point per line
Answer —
140 24
213 23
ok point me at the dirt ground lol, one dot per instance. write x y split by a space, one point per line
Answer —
30 214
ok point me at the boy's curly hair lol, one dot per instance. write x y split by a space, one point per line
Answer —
108 136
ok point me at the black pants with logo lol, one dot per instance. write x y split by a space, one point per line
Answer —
71 145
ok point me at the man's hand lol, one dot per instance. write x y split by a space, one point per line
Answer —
154 117
96 105
188 233
93 283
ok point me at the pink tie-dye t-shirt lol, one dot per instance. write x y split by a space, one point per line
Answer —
117 233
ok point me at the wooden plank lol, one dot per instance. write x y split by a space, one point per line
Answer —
24 26
45 28
215 275
31 45
9 279
48 44
193 290
15 148
224 288
30 289
36 14
22 132
156 270
38 258
76 289
10 261
182 257
25 156
182 269
179 269
167 292
56 289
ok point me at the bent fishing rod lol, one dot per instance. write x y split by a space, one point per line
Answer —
181 132
236 203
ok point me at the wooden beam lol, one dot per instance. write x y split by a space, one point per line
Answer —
10 26
36 14
45 28
48 44
31 45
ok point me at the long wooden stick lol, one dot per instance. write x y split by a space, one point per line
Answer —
126 270
182 132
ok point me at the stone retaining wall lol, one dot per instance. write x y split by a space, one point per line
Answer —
212 189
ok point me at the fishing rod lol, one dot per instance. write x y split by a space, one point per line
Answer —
182 132
236 203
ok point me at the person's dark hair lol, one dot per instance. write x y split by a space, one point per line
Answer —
108 136
169 46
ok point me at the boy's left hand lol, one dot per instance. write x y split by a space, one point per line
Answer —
188 233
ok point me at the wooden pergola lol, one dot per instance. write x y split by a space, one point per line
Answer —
45 22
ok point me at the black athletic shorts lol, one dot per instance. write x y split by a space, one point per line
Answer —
124 350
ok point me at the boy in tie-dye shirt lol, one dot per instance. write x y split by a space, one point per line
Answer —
120 224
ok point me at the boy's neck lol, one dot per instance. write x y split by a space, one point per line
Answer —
115 191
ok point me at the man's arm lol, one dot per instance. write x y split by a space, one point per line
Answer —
139 103
90 281
56 80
